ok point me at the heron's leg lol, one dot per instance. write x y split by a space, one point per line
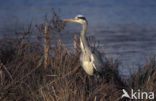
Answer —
87 85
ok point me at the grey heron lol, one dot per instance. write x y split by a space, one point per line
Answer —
90 59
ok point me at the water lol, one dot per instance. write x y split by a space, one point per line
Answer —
126 29
130 47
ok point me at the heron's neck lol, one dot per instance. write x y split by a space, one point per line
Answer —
83 41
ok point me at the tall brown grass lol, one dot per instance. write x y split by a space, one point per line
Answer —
46 45
24 78
145 78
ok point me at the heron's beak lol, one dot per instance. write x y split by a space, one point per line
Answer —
71 19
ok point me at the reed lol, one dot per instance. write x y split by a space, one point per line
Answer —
46 46
145 78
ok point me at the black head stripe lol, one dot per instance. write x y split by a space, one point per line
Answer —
82 18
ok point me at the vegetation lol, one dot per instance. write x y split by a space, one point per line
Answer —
26 76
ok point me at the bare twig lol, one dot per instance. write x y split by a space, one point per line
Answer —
3 66
46 46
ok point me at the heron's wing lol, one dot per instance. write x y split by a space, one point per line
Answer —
97 61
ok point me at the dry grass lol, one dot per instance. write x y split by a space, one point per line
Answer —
24 78
145 78
46 46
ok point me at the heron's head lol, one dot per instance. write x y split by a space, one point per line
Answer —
79 19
